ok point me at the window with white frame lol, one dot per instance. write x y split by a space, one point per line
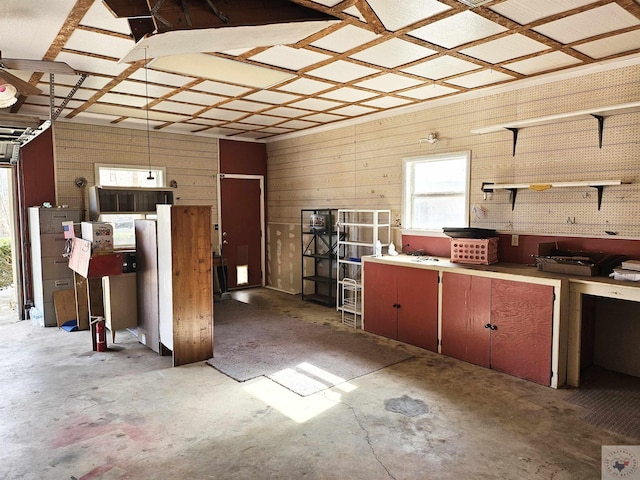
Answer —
129 176
436 191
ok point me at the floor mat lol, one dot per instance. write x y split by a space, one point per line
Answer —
611 400
304 357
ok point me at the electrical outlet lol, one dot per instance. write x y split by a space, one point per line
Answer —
515 240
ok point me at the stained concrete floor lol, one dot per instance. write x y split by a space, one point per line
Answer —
68 412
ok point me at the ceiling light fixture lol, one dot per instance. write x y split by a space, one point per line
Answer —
8 95
146 94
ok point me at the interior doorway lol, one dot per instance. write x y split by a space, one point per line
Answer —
241 229
9 311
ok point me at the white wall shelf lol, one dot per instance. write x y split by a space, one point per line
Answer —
359 230
598 113
541 186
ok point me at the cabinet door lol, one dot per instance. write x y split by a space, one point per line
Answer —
417 302
466 309
522 314
380 295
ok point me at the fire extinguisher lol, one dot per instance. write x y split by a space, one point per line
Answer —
101 338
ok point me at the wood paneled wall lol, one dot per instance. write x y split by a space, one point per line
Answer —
360 166
189 160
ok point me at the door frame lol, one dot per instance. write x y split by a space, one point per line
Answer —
219 178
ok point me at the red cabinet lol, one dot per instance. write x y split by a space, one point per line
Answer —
402 303
466 309
502 324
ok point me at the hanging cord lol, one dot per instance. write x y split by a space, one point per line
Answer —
146 94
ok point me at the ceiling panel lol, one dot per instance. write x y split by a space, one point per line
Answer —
275 98
395 16
263 119
480 79
177 107
543 63
139 88
345 39
458 30
98 44
197 98
389 82
289 112
306 86
505 48
354 110
386 102
393 53
613 45
441 67
605 19
528 11
429 91
342 71
200 65
348 94
318 104
289 58
376 55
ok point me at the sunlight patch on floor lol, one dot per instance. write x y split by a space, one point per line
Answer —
298 408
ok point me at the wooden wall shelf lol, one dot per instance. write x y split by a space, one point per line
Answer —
541 186
598 113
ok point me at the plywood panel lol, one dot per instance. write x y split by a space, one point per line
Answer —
522 314
466 309
186 282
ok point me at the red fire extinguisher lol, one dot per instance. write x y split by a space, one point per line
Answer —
101 338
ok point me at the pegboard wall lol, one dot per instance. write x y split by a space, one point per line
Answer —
361 166
189 160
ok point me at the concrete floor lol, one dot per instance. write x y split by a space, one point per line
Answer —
68 412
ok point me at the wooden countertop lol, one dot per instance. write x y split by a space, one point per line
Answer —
496 270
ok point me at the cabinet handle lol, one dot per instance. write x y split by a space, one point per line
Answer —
396 305
492 327
487 325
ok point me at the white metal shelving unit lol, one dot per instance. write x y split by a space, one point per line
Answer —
359 231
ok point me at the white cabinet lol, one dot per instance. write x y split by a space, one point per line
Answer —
49 268
120 302
358 233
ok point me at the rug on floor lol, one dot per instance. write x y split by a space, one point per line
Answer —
304 357
610 399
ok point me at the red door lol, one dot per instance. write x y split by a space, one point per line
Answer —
418 307
380 295
241 236
466 309
522 314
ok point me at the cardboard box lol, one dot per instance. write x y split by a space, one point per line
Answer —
100 234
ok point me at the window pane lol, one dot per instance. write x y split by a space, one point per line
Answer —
437 211
130 177
442 176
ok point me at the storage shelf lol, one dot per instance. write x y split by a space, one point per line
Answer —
319 243
597 113
360 230
542 186
319 278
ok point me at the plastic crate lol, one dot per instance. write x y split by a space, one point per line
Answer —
474 250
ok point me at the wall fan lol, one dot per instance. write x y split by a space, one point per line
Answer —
40 66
